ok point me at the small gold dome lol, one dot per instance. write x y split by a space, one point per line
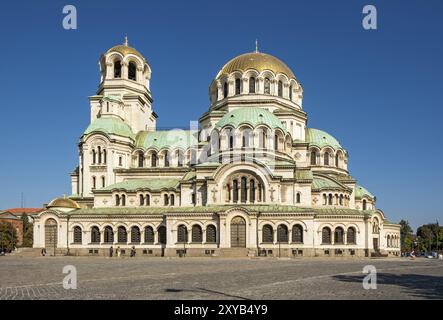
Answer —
124 49
258 61
63 203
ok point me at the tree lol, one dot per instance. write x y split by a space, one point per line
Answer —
430 235
27 231
406 237
8 236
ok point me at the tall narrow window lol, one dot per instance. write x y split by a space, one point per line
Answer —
364 204
297 234
338 235
148 200
103 182
141 159
251 85
104 156
231 140
267 234
142 200
122 235
117 200
235 191
93 183
99 154
297 197
180 158
77 234
326 158
197 234
172 197
280 89
326 235
341 200
267 86
290 92
166 200
350 236
154 160
95 235
132 71
262 139
243 190
117 69
182 233
166 158
337 164
149 235
123 200
225 90
108 235
313 158
282 233
94 156
276 142
330 199
135 235
237 86
246 138
252 191
120 161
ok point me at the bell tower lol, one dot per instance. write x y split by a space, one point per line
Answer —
124 91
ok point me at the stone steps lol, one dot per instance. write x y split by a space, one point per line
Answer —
236 252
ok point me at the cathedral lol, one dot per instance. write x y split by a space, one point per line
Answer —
249 179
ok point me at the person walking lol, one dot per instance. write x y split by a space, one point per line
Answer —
133 251
118 251
43 252
111 251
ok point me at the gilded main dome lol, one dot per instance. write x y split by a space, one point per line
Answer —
258 61
63 203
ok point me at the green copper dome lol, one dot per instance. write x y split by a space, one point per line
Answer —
321 139
110 125
169 139
321 183
361 192
251 116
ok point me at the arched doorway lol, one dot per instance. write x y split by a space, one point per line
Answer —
51 235
238 232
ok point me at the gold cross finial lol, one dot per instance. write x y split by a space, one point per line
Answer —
256 45
126 40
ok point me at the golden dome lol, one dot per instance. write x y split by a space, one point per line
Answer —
124 49
63 203
258 61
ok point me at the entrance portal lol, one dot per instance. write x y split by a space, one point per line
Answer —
238 232
51 236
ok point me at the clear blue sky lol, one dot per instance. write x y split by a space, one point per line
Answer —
378 92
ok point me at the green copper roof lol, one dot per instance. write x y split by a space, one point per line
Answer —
320 183
361 192
113 98
301 174
251 116
110 125
139 184
168 139
321 139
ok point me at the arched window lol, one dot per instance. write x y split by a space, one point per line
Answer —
148 200
350 236
99 154
297 234
338 235
132 71
141 159
326 158
123 200
166 200
326 235
246 138
341 200
149 235
95 235
262 139
325 200
252 191
237 86
231 141
154 160
268 234
162 235
364 204
117 200
225 89
211 234
375 228
313 158
104 156
282 233
389 241
243 196
103 182
267 86
135 235
117 69
109 235
276 142
93 156
298 197
330 199
172 200
182 233
180 158
142 200
77 234
290 92
166 158
197 234
235 191
122 235
251 85
280 89
337 163
94 183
